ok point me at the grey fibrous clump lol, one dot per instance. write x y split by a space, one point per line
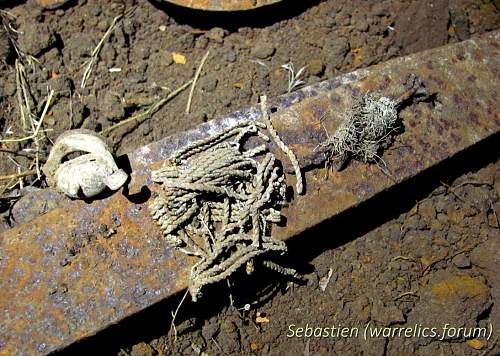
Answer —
366 129
218 201
370 124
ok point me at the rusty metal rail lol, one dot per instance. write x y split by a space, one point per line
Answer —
79 268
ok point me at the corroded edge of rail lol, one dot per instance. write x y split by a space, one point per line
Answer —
79 268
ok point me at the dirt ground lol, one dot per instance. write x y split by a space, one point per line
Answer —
426 263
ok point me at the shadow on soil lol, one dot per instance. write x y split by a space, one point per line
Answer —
155 321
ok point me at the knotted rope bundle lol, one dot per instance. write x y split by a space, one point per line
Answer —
218 200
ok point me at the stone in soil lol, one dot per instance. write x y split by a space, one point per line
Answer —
4 44
37 38
335 50
142 349
263 50
316 67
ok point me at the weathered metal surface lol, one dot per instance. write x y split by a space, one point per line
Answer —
51 4
79 268
223 5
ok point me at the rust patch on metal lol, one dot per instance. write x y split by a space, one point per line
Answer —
223 5
77 269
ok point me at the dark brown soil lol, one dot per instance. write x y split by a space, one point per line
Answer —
430 264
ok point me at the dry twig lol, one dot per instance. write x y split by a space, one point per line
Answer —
406 294
195 79
174 315
18 175
39 125
151 110
34 136
11 33
95 53
22 92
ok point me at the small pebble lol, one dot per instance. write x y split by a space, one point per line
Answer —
461 261
216 34
146 128
103 25
361 24
208 83
201 42
142 349
4 46
230 56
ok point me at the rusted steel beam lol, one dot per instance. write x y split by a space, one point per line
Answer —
79 268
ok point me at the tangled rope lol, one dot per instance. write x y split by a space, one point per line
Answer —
219 199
